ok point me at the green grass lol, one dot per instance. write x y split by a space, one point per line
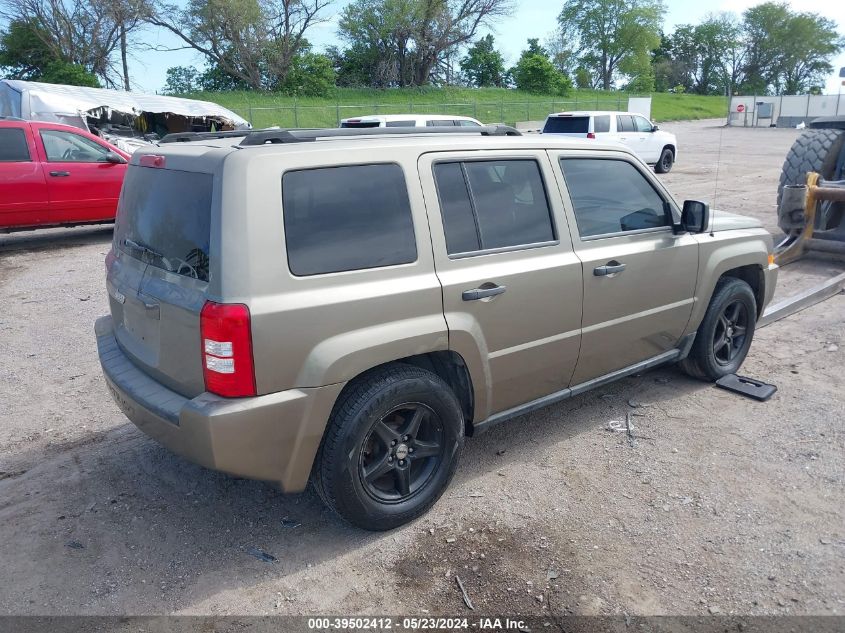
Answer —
489 105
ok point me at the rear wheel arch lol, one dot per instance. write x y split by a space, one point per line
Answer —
447 364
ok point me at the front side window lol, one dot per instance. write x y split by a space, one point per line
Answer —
492 204
611 196
13 147
465 123
642 124
347 218
67 147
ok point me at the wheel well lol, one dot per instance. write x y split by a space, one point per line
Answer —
753 276
672 147
449 366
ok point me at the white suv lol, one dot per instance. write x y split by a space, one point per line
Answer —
410 120
633 130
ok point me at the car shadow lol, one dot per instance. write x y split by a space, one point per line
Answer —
132 525
56 238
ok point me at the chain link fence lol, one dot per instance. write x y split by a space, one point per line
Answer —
509 112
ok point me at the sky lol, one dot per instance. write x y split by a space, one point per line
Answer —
532 18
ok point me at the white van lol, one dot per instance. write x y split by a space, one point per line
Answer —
633 130
409 120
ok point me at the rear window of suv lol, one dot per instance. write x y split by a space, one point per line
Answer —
347 218
164 219
567 125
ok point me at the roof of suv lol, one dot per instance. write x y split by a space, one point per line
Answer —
425 141
592 113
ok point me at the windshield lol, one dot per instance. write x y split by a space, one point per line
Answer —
163 219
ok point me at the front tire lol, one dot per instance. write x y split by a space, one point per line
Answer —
664 164
390 448
725 334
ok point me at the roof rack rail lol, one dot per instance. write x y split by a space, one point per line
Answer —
187 137
270 137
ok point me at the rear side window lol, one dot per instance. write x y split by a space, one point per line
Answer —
567 125
624 123
401 124
360 124
440 123
492 204
601 123
612 196
347 218
13 147
164 219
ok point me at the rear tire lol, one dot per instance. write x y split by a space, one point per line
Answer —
725 334
390 448
664 164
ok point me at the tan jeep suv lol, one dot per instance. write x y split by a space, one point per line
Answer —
345 306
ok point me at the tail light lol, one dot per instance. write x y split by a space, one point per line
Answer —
227 362
591 135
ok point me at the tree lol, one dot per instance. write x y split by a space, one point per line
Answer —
255 42
310 75
181 80
25 55
704 52
534 72
87 33
611 35
483 64
405 40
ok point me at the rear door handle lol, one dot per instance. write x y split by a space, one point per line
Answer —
610 268
59 174
482 293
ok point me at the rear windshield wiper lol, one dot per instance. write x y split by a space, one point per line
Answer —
141 247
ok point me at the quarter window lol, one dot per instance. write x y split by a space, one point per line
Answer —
347 218
492 204
67 147
601 123
13 147
612 196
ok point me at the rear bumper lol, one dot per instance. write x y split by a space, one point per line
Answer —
273 437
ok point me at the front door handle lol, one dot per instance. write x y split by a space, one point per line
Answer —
482 293
59 174
611 268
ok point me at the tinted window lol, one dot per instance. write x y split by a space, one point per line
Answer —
164 218
642 124
360 124
440 123
624 123
610 196
567 125
347 218
503 202
465 123
601 123
456 209
13 147
401 124
68 147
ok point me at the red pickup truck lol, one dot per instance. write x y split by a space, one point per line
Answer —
56 175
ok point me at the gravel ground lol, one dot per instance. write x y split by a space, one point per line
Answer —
718 504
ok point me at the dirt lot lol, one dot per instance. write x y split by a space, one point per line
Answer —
721 505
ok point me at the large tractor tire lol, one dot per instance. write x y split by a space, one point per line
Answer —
815 150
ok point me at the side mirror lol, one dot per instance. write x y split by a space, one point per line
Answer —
695 218
117 159
654 128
